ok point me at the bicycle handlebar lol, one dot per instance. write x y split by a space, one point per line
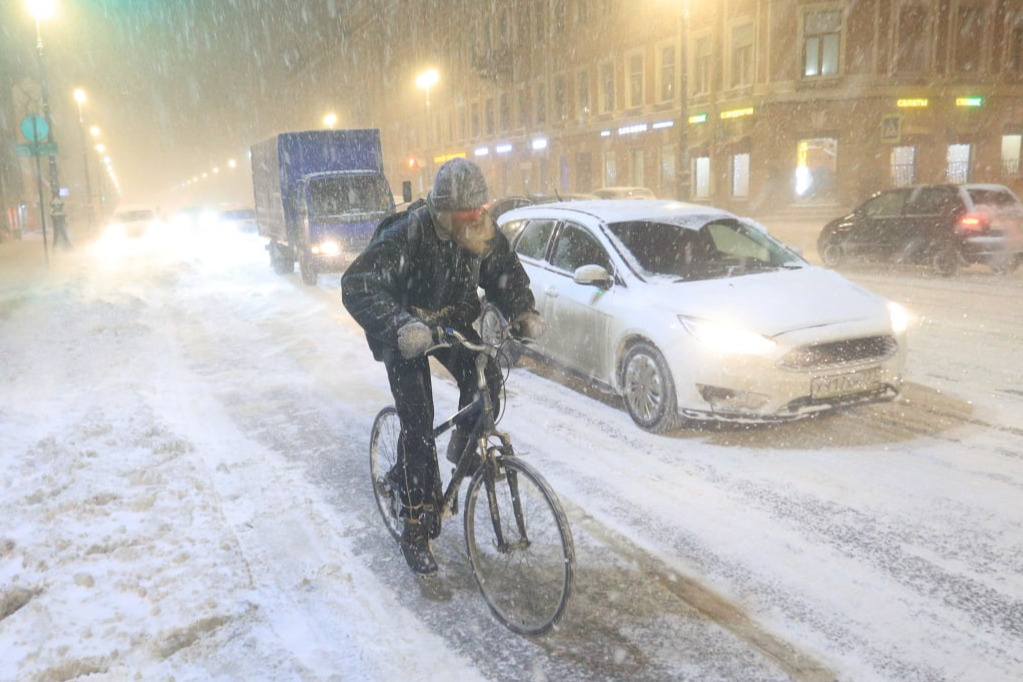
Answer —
449 336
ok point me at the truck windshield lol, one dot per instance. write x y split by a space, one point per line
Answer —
346 196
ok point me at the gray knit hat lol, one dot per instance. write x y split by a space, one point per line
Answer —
459 186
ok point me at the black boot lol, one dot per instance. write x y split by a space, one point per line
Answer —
415 547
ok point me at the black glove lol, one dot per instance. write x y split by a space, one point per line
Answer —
413 339
528 326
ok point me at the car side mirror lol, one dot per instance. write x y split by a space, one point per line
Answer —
592 275
406 191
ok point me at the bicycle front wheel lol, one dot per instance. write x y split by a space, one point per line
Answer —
519 545
383 455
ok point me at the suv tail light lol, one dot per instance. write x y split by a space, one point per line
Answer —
972 223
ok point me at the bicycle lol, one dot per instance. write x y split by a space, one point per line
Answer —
516 534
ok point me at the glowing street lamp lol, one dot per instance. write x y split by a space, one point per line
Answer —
426 80
45 9
330 120
80 99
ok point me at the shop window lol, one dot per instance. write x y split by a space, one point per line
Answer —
667 170
821 34
701 177
903 166
816 168
1010 153
957 163
740 175
637 162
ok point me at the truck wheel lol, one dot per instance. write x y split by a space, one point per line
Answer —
281 261
308 270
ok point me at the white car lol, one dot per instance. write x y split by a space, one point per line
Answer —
624 193
134 220
690 311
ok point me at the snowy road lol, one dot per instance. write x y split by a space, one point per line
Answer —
185 492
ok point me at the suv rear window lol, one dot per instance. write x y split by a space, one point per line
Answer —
991 197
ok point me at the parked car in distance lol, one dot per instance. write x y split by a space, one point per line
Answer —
689 311
133 220
624 193
944 226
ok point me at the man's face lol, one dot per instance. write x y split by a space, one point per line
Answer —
472 229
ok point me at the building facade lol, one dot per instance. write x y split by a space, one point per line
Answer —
758 106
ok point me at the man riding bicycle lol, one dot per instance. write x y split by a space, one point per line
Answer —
420 272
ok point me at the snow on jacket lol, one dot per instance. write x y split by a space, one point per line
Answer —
407 272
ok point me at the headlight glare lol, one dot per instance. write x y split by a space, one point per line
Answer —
727 338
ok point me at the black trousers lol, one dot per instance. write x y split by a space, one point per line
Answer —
412 388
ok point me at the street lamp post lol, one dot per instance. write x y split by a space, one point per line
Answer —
683 94
426 80
80 99
43 9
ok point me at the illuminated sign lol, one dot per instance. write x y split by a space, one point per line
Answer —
540 143
912 103
699 118
448 157
633 129
663 124
969 101
482 151
737 113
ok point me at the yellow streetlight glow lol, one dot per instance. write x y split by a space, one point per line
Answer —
231 163
80 95
427 79
41 9
101 148
94 130
330 120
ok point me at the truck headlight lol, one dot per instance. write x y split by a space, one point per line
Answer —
327 248
727 338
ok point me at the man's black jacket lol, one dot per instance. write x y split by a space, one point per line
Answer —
407 272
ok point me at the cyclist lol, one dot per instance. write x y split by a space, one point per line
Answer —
420 272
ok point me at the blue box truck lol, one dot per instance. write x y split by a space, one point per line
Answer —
319 195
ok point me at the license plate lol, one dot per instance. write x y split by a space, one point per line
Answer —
845 384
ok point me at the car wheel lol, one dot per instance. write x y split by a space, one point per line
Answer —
648 388
308 270
945 261
831 253
1007 265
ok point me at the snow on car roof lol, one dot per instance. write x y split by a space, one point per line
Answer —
619 210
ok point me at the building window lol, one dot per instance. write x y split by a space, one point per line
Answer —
582 92
634 76
607 87
560 12
610 170
460 115
560 98
1015 60
504 112
817 168
667 171
666 73
742 55
957 163
702 65
523 109
475 116
637 163
541 104
821 41
582 12
701 177
969 39
903 166
911 50
740 175
540 14
488 116
1010 153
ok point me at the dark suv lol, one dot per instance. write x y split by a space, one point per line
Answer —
943 226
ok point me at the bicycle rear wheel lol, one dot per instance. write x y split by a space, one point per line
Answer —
519 545
383 455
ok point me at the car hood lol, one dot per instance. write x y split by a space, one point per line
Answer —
776 302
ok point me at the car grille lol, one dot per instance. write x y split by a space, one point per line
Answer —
847 351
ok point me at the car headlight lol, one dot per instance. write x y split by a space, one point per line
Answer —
327 248
727 338
898 316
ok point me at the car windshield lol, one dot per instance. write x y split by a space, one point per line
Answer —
351 195
720 248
